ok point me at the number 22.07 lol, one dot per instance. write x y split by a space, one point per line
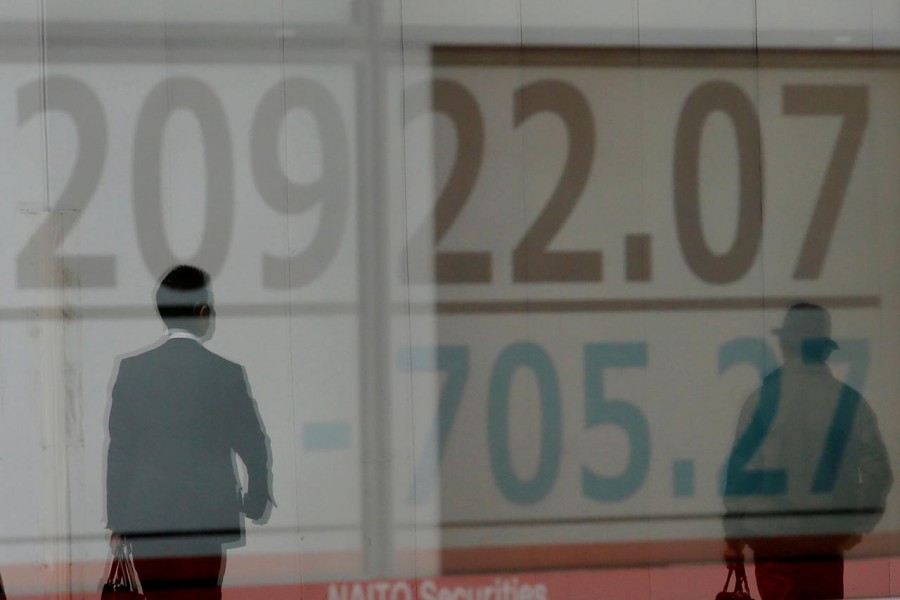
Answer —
534 261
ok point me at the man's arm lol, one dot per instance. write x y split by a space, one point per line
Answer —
252 445
875 474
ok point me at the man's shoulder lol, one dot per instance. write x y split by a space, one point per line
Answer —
201 352
182 350
138 357
214 356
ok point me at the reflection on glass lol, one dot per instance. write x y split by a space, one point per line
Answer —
808 473
179 415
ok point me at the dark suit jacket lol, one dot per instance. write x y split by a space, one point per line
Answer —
179 415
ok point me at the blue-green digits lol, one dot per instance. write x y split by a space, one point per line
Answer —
454 360
600 410
740 481
535 358
856 353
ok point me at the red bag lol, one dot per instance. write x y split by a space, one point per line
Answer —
122 583
741 587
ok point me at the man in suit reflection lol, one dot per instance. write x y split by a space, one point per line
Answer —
808 473
179 415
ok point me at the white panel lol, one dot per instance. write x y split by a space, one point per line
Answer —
319 11
224 11
89 132
22 161
413 523
105 11
464 21
710 23
25 10
579 22
887 24
822 24
319 139
392 16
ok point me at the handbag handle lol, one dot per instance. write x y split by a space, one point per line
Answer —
740 579
122 571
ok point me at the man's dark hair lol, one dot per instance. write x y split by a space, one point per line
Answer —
182 292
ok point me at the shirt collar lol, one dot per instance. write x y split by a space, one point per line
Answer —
183 334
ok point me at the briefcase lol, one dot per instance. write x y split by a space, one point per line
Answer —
122 582
741 588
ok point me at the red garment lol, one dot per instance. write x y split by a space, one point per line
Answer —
177 577
814 579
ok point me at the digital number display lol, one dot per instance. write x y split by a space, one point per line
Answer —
507 298
331 191
592 282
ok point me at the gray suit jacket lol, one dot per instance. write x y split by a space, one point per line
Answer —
179 415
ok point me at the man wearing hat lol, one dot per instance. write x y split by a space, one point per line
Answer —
808 473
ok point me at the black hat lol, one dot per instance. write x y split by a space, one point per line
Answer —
806 321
